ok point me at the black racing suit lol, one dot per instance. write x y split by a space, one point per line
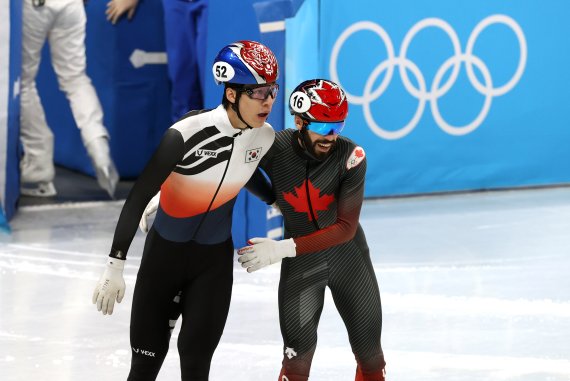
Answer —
187 264
321 202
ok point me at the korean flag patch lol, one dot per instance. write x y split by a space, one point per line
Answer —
355 158
252 155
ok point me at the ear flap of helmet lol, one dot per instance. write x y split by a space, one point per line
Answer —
246 63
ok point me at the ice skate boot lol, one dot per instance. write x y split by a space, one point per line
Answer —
373 376
43 189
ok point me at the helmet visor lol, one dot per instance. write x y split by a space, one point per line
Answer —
262 92
322 128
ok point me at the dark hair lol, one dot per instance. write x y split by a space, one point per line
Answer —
237 87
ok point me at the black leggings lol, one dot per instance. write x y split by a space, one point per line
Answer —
347 270
179 278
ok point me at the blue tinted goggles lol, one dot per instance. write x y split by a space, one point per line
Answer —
328 128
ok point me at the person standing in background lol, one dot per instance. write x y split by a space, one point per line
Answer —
62 24
185 24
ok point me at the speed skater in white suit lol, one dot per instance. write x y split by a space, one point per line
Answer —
62 24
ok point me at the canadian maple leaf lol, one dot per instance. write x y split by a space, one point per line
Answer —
298 199
359 153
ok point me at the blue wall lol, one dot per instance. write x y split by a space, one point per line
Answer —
135 99
429 128
427 123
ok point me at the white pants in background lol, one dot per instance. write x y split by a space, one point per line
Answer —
62 24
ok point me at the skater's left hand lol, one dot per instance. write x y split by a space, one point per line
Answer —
110 287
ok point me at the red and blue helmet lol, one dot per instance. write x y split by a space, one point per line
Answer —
322 103
245 63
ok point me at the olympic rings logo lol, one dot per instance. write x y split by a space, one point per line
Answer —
437 89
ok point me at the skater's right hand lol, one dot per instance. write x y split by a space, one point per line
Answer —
111 286
149 211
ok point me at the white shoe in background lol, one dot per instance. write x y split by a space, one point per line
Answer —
44 189
107 175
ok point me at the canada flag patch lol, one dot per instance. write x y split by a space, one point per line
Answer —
252 155
355 158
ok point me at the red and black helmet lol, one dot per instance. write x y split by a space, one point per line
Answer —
322 103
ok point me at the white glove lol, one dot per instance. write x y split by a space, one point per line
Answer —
111 286
149 211
276 207
264 252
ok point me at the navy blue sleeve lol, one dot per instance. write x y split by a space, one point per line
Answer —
259 186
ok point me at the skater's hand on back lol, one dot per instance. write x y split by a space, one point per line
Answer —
264 252
149 211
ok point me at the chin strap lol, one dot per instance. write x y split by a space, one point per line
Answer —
306 142
241 131
235 107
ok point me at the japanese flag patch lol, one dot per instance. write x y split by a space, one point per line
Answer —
355 158
252 155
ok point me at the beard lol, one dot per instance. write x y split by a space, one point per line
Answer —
313 150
